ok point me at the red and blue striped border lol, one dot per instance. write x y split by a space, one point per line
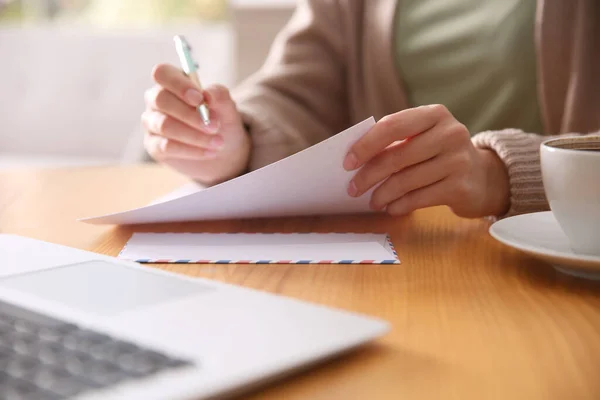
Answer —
165 261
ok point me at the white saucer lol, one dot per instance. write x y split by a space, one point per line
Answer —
540 235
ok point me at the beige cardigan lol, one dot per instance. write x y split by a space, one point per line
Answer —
333 65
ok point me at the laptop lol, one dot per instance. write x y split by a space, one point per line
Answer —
80 325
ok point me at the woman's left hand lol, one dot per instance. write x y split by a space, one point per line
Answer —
424 157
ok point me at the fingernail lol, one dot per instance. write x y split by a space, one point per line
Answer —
350 162
155 121
400 210
193 97
352 189
210 154
163 144
375 207
216 142
213 127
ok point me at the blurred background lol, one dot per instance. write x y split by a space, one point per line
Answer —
73 72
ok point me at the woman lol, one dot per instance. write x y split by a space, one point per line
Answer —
475 85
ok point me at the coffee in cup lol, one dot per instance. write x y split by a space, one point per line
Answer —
571 176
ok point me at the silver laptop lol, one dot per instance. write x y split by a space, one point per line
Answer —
75 324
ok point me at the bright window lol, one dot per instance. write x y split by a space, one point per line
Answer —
111 12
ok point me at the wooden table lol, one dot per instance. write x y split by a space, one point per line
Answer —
471 319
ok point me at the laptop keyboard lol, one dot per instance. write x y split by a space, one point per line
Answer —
45 358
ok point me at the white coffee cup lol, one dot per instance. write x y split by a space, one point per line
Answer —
571 175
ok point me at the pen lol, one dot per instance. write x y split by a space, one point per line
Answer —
190 67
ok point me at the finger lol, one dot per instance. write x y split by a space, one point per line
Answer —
399 126
160 99
161 148
217 94
219 100
428 196
409 180
164 125
397 157
176 82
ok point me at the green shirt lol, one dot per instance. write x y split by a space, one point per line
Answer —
477 57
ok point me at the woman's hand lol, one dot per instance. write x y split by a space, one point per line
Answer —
177 136
424 157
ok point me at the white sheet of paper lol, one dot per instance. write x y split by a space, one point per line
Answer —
185 190
310 182
265 248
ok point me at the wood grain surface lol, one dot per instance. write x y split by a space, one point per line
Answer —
471 318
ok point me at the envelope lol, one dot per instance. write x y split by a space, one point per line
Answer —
260 248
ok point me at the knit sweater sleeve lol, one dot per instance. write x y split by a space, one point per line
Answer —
520 153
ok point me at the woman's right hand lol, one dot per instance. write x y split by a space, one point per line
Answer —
176 135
